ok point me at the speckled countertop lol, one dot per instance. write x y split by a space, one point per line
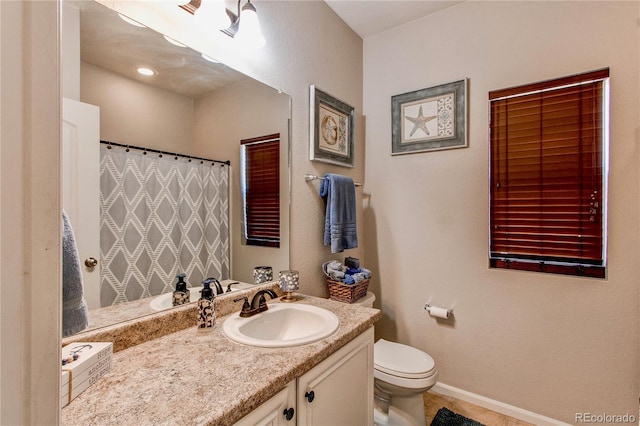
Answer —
191 378
121 312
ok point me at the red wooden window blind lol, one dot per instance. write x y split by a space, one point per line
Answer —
547 177
261 190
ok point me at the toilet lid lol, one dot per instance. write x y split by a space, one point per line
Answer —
402 360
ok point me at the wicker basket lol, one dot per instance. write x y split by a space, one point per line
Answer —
349 293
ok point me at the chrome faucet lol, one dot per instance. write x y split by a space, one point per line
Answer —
258 303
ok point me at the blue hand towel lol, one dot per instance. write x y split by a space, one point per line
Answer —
75 316
340 222
348 279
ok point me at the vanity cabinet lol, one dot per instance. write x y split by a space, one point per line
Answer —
278 411
338 391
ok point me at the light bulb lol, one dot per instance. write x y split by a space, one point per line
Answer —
212 13
249 33
145 71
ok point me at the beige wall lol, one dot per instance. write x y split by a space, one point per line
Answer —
137 114
30 213
553 345
259 110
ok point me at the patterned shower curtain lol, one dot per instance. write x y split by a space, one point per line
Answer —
160 216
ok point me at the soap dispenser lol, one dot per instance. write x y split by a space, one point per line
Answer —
206 310
182 294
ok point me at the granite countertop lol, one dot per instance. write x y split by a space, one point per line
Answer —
190 378
121 312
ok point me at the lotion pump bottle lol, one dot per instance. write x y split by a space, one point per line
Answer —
182 294
206 310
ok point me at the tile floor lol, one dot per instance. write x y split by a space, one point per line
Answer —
434 401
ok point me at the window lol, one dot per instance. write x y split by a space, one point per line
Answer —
548 168
260 181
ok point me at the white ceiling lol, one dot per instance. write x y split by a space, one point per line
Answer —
371 17
110 43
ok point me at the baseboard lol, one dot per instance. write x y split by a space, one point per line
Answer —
497 406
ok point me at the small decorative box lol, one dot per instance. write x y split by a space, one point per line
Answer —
64 389
85 363
262 274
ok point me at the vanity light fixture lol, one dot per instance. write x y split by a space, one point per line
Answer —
145 71
243 26
248 32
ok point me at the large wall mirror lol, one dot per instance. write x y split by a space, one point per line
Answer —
190 111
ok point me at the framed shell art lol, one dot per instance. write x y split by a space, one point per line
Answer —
331 126
429 119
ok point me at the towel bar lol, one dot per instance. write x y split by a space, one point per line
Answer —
309 178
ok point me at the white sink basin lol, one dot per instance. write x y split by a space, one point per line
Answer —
283 325
164 301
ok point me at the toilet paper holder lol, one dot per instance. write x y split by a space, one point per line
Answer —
438 312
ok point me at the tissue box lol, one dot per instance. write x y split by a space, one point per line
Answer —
94 360
352 262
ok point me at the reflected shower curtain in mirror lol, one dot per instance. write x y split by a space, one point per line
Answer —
160 216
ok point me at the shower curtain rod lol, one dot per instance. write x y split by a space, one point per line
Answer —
190 157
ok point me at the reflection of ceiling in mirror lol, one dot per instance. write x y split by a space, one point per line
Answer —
109 42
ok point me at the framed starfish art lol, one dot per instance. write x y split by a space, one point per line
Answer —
331 129
429 119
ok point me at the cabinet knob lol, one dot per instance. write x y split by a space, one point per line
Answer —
310 396
288 413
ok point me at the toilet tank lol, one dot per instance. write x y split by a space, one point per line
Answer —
367 300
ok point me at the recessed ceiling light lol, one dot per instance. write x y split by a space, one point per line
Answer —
145 71
210 59
131 21
174 42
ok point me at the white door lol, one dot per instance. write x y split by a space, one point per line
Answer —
81 188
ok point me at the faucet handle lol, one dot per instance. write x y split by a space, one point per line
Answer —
246 307
229 286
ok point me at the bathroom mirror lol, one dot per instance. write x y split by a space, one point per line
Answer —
192 106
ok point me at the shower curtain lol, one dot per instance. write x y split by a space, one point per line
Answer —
160 215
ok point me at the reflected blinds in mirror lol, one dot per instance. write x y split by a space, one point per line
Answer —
547 174
260 169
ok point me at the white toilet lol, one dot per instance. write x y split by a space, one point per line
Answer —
401 375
